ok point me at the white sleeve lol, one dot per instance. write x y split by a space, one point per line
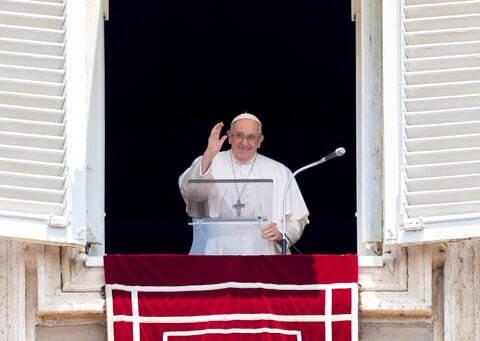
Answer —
194 195
294 230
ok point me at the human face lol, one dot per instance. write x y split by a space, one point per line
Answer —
244 150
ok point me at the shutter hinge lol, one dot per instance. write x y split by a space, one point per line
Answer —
413 224
59 221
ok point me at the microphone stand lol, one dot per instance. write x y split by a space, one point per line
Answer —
337 153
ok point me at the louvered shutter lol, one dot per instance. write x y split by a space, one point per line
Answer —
34 181
440 59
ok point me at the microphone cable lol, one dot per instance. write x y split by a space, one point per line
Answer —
293 246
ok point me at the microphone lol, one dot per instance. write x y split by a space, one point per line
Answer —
337 153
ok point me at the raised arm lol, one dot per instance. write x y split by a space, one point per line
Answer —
215 143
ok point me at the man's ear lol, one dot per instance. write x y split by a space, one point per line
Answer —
260 140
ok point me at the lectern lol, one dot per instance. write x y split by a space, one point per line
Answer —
227 216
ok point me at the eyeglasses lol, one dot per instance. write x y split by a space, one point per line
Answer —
239 137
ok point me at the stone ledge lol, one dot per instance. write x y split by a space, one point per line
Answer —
397 284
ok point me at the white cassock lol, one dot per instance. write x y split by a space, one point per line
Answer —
244 239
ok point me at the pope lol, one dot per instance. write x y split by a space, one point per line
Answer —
242 161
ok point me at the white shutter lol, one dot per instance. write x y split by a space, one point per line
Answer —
441 121
34 186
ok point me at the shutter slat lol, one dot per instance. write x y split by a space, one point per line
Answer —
442 156
31 206
444 169
439 50
31 20
442 63
443 36
443 76
445 196
443 103
443 23
61 1
31 194
32 7
442 9
30 87
31 73
29 113
450 89
444 142
32 181
443 183
33 100
31 167
32 127
30 153
442 116
31 60
441 210
32 140
31 46
444 129
32 33
431 2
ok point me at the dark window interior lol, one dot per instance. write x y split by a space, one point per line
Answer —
175 68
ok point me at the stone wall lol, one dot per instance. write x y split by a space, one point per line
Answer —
72 333
429 292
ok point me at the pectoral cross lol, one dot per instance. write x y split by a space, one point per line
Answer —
238 206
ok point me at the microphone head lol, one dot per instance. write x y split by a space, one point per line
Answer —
340 151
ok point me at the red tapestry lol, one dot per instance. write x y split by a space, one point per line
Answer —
232 298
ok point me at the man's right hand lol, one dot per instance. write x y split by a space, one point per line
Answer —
215 143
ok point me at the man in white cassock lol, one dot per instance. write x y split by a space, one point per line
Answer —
242 200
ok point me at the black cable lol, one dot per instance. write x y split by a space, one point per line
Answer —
293 245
